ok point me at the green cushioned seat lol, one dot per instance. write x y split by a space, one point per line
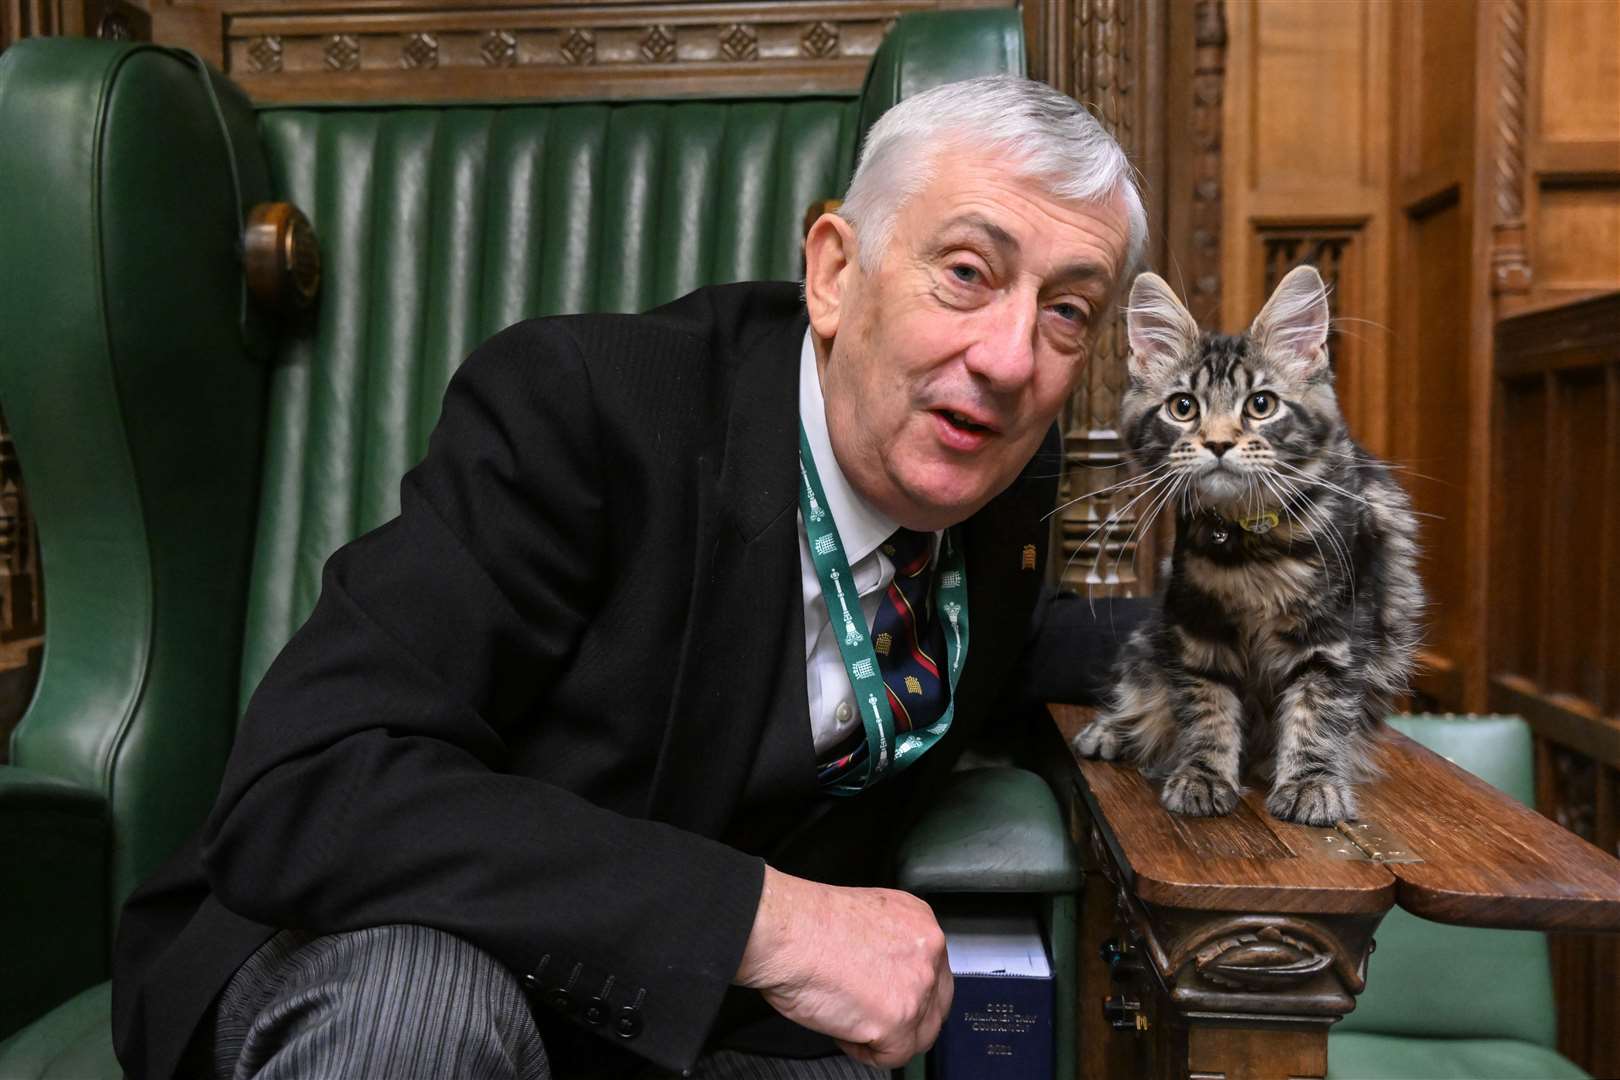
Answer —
1354 1055
1444 1001
993 830
190 467
73 1042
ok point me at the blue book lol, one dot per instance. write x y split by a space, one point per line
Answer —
1000 1024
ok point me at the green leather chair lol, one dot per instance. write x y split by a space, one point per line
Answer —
1446 1002
191 465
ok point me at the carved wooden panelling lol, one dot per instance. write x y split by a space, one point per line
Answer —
22 609
1209 92
1332 251
256 46
1510 266
1101 544
329 51
1556 659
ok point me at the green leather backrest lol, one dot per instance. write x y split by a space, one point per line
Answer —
1441 981
440 226
137 418
186 495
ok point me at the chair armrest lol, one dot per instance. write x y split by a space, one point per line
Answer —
53 927
991 830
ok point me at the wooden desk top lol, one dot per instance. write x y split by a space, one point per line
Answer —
1486 860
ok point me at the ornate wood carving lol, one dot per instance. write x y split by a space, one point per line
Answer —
1178 978
113 20
1328 248
1209 85
1098 539
22 611
1510 263
1259 964
1572 792
329 50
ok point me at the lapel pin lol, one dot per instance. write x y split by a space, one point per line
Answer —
1028 561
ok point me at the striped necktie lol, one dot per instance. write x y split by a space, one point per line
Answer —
910 646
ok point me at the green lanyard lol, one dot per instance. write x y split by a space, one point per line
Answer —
884 753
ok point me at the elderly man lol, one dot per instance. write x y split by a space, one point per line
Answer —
586 763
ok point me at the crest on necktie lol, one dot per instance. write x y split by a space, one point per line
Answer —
913 685
882 643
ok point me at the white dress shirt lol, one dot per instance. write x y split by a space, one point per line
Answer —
862 529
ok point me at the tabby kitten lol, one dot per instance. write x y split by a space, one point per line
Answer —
1290 618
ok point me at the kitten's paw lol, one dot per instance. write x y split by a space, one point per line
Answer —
1313 802
1099 740
1196 795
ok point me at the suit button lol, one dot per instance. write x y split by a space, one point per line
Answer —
843 712
629 1024
595 1011
561 1000
531 985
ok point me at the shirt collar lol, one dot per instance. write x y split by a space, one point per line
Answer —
861 527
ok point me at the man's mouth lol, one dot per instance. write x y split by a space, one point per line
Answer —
963 422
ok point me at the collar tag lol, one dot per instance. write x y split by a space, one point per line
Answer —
1260 524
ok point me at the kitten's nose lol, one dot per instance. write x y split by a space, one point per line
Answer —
1217 448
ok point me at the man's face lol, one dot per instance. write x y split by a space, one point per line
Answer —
947 364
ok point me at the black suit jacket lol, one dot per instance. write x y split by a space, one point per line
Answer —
557 706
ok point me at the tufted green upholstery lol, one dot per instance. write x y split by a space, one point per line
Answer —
1456 1001
441 226
73 1042
190 473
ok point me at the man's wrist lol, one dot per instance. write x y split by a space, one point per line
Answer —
761 963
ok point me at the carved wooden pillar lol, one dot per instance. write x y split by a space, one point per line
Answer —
1203 254
1116 66
1510 263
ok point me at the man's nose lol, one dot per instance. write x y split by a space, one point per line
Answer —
1004 355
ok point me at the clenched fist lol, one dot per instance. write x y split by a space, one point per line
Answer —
865 966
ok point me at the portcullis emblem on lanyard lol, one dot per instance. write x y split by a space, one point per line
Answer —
888 751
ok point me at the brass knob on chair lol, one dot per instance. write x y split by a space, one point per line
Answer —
281 257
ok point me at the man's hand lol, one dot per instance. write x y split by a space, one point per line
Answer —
865 966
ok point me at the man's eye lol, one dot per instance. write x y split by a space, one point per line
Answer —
965 274
1072 312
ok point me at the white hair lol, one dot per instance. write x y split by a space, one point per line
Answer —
1043 135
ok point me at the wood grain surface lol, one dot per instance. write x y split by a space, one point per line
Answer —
1486 859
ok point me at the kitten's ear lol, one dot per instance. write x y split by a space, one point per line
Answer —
1161 331
1292 328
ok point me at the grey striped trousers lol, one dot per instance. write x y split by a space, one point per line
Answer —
408 1002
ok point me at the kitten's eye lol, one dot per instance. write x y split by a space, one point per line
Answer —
1182 406
1261 405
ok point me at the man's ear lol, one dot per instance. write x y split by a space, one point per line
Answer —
830 269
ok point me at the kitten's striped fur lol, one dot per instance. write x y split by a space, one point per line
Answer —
1283 647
